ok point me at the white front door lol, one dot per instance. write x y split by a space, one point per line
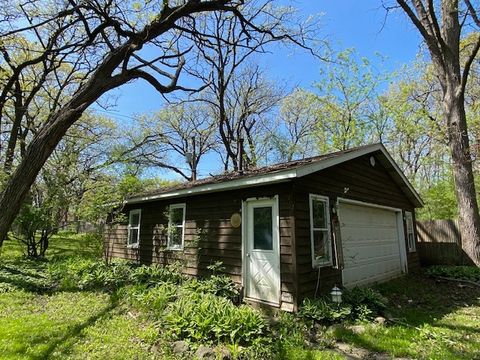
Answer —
262 250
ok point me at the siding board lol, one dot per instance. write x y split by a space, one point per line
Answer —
356 180
209 236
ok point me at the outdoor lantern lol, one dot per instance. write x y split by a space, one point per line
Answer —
336 295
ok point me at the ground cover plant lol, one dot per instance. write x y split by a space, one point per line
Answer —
74 305
469 273
429 319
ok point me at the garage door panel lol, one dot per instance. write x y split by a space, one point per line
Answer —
368 255
370 244
364 273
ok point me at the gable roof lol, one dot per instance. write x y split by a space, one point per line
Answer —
282 172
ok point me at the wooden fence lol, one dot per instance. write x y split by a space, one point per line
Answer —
440 243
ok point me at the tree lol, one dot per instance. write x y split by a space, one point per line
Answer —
345 95
54 197
105 43
442 25
241 110
237 90
175 138
294 132
415 136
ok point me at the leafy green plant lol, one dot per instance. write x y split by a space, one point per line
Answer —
205 318
219 285
87 273
154 274
150 299
365 302
470 273
358 304
324 311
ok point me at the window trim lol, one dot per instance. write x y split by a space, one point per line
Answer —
409 217
132 212
326 200
170 208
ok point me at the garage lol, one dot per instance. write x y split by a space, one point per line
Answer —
371 248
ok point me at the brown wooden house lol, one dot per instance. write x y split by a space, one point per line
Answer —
283 232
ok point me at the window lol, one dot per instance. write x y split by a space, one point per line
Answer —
320 230
176 227
410 231
134 228
262 228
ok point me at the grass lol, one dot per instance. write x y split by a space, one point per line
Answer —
37 322
433 320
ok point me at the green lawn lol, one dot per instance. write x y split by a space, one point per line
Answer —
38 323
433 320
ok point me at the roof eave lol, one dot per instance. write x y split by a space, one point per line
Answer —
284 176
281 176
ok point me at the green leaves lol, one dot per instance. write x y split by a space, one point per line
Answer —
470 273
358 304
346 94
208 318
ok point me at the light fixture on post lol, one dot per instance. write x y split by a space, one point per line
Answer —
336 295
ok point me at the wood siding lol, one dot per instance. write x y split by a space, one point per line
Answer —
355 180
440 243
209 236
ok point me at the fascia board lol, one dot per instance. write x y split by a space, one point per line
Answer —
282 176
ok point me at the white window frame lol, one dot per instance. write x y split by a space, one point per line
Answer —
324 199
170 208
410 231
130 228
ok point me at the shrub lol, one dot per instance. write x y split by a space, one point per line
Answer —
87 273
150 299
324 311
94 242
219 285
366 303
207 318
358 304
470 273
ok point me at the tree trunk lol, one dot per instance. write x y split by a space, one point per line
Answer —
25 174
463 174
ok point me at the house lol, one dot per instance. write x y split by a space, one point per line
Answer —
282 232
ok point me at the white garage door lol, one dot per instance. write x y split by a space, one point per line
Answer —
371 250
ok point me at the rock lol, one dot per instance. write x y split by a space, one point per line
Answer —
204 352
225 354
388 315
333 329
155 349
309 344
380 320
352 352
179 347
381 356
357 329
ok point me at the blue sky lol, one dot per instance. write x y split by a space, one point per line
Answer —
358 24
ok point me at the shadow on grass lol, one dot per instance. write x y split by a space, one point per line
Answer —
74 332
425 312
24 274
30 274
